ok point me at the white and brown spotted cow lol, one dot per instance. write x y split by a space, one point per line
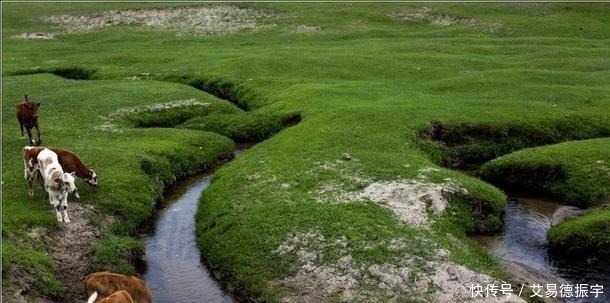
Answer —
57 183
68 160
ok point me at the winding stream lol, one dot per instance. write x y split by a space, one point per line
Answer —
174 271
522 248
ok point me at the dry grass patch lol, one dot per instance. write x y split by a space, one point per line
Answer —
195 20
427 15
35 36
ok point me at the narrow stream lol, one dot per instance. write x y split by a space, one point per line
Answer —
522 248
174 272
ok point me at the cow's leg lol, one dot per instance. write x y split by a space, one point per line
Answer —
26 169
28 174
38 133
36 176
21 126
57 207
30 135
47 195
30 184
64 205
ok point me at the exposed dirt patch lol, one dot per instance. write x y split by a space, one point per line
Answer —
35 36
18 297
412 200
312 281
70 244
428 15
316 280
346 179
440 281
155 107
306 29
194 20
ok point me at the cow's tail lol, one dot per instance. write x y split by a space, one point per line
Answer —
93 297
26 98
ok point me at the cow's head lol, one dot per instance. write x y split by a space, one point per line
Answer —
67 182
31 107
91 178
29 110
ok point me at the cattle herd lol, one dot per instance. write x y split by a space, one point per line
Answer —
55 169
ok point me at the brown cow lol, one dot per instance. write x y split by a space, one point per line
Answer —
27 114
107 283
120 296
67 159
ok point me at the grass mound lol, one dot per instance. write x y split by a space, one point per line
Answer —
243 127
575 172
74 73
585 237
115 252
465 144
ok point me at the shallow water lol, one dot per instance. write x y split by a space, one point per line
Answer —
174 272
523 244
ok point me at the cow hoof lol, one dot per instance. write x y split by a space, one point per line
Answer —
22 138
67 220
59 218
31 194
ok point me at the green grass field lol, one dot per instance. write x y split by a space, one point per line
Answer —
404 89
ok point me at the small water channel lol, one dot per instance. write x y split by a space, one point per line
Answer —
174 271
522 248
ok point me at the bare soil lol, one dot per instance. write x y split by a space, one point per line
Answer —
68 247
314 280
194 20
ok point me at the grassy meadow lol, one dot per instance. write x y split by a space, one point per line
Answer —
406 90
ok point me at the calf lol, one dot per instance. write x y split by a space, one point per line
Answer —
27 114
120 296
104 284
67 159
57 183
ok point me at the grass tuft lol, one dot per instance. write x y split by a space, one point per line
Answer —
115 254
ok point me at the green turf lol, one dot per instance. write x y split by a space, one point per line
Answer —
575 172
364 84
584 238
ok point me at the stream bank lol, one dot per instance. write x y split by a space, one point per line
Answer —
173 267
522 248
